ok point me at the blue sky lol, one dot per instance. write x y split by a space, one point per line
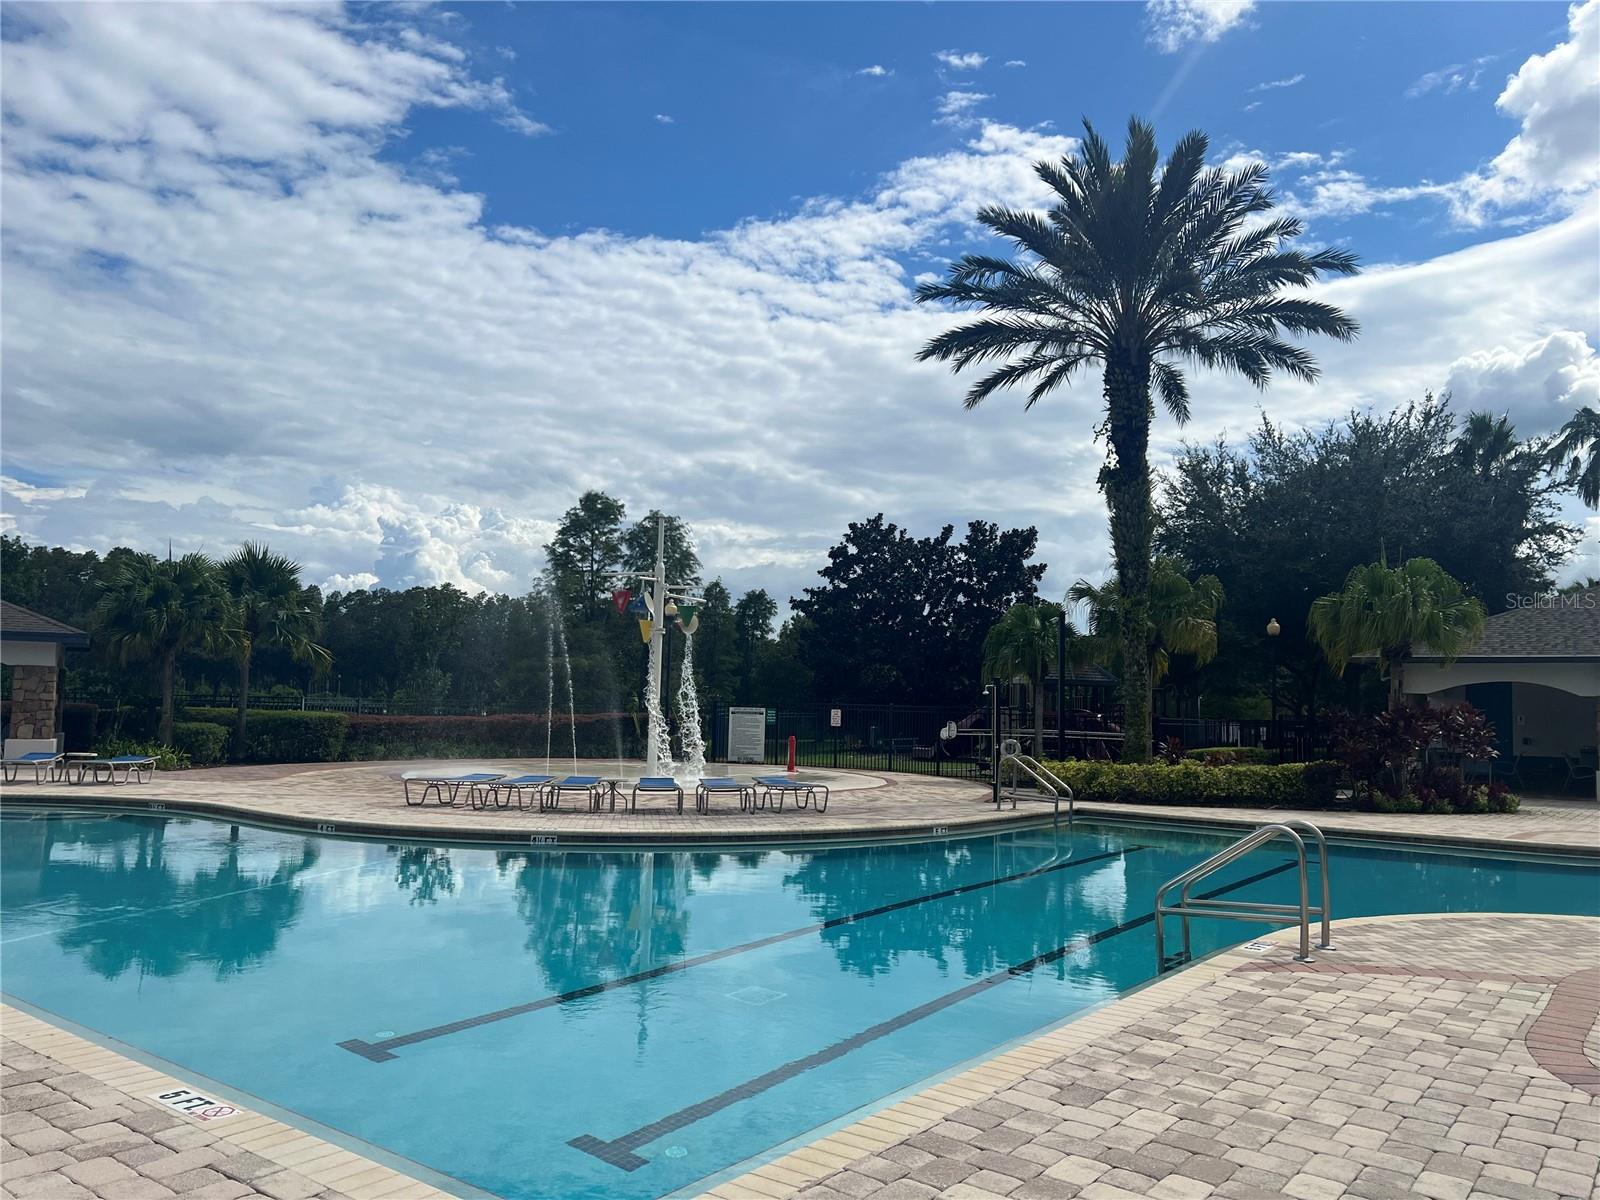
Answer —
387 286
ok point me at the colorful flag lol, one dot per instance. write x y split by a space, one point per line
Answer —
639 607
620 598
644 628
689 617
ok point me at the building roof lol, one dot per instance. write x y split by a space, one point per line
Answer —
18 624
1554 627
1091 675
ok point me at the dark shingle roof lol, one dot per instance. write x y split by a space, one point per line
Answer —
24 625
1563 626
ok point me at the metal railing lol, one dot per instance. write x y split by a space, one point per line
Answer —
1241 910
1044 779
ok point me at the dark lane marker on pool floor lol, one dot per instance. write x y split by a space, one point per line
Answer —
383 1051
619 1151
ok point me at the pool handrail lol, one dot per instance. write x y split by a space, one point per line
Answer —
1241 910
1046 780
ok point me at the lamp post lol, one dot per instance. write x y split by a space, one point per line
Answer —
1273 629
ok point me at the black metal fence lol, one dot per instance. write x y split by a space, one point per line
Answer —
1292 739
869 737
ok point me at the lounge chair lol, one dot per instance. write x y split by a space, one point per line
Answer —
443 786
815 794
659 785
45 763
723 786
140 768
592 787
517 787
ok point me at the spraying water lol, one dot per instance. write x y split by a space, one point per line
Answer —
566 662
694 743
550 677
658 726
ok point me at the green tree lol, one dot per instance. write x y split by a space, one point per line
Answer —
1576 454
1022 645
715 652
587 550
271 610
639 549
1390 611
752 629
1182 618
154 610
1137 269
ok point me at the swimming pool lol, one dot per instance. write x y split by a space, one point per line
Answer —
615 1023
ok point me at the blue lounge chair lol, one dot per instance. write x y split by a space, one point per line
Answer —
723 786
779 786
442 786
132 768
517 787
660 785
45 763
592 786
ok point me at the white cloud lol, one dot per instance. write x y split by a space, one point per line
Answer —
876 70
955 107
307 343
1016 62
1539 384
959 60
1173 24
1272 84
664 119
1553 159
28 493
1452 78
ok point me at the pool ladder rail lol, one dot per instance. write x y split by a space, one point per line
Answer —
1044 780
1189 906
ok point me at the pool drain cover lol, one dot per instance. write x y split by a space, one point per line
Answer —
756 995
383 1035
675 1151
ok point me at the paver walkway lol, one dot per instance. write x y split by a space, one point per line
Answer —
1453 1057
76 1122
366 797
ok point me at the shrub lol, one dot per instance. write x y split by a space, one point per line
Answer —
167 759
275 736
1408 759
203 742
1218 756
510 735
1280 785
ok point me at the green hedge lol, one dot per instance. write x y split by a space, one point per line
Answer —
204 742
1282 785
1231 755
278 736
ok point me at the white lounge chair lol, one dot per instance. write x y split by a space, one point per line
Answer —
46 765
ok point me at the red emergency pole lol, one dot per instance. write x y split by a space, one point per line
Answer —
791 753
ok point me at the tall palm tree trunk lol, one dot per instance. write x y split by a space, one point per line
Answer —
169 666
246 654
1127 486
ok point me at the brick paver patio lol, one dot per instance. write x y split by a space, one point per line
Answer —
366 798
1452 1057
77 1122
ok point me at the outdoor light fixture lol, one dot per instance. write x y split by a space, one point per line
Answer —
1273 628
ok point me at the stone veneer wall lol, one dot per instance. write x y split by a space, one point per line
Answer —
34 702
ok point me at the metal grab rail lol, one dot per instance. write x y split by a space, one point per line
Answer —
1243 910
1042 776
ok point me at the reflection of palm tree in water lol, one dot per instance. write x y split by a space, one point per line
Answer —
601 916
424 871
988 927
226 917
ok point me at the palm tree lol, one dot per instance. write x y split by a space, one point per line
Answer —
1576 452
1022 645
1182 617
1484 442
272 610
155 610
1388 611
1137 270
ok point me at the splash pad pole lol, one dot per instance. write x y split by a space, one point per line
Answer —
658 631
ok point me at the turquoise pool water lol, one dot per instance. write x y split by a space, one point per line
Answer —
619 1024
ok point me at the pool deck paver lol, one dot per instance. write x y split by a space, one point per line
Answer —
361 798
77 1123
1449 1056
